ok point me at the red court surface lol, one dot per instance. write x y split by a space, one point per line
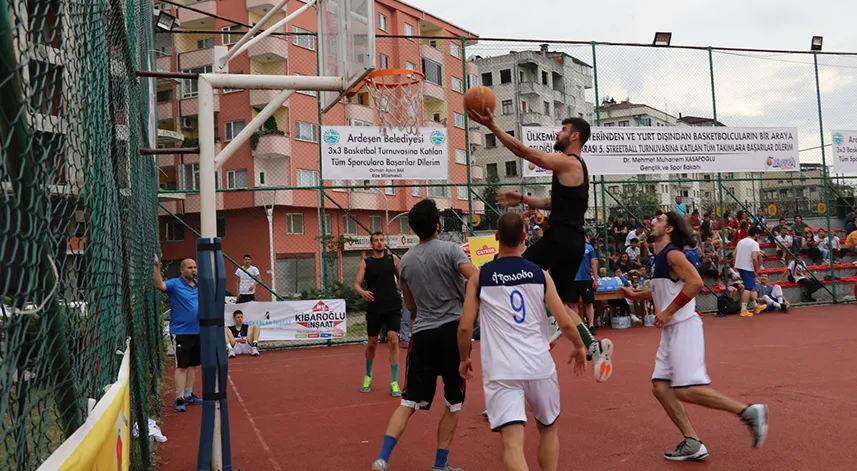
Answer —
302 409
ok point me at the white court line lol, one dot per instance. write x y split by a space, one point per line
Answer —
320 409
255 428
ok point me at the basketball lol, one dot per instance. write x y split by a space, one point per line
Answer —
481 100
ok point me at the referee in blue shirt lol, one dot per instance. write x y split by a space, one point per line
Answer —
184 328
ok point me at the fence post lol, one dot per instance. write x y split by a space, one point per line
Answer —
467 137
831 253
321 215
719 174
601 179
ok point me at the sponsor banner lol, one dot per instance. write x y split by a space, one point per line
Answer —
103 441
293 320
482 249
845 151
394 242
677 149
363 153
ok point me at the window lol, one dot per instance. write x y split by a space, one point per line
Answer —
491 170
358 123
415 190
328 224
472 80
383 61
175 231
511 133
507 107
439 191
433 71
305 92
294 223
306 42
460 156
455 49
296 273
338 183
231 38
511 168
544 78
461 192
644 121
205 43
349 225
190 176
458 120
487 79
506 76
262 178
624 123
547 109
375 224
410 66
307 177
524 106
233 128
382 22
306 131
457 85
189 86
164 96
221 227
236 179
404 227
490 141
409 29
389 190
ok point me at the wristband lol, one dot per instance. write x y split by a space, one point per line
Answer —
681 299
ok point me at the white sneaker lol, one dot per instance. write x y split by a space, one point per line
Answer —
556 334
602 359
230 353
254 351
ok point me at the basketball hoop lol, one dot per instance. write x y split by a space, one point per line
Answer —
398 97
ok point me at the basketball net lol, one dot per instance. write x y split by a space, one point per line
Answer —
398 98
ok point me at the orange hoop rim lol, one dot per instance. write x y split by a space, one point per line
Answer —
371 76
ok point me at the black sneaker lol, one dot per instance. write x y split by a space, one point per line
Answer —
592 330
180 407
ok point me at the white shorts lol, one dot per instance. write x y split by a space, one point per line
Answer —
506 401
681 355
242 348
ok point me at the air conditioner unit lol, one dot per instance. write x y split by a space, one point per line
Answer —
188 123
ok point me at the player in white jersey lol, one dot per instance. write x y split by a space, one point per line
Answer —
680 374
510 295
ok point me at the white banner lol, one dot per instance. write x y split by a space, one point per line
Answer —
845 151
678 149
364 242
293 320
362 153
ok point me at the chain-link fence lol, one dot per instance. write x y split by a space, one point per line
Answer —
307 234
77 212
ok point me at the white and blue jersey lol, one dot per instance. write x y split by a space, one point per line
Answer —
665 288
513 321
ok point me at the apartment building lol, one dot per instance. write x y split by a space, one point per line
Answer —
286 151
533 88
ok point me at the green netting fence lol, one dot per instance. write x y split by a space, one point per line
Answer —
78 221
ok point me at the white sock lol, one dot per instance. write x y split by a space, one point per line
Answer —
780 300
743 306
188 392
778 305
180 394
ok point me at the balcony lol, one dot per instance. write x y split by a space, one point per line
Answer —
433 92
531 118
432 53
196 58
559 96
260 6
166 136
165 110
535 88
476 138
191 19
476 172
472 68
433 124
270 49
263 97
165 63
278 197
190 106
359 113
273 146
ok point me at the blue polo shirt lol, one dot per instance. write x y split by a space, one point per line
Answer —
584 273
184 307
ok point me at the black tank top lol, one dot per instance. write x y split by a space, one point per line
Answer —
381 281
569 203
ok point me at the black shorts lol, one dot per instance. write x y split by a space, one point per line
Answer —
433 353
560 250
392 320
582 290
187 350
245 298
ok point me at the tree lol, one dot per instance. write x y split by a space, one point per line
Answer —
489 194
638 201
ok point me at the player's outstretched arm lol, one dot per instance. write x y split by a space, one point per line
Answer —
567 321
465 325
630 294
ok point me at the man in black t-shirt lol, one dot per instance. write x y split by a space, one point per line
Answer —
380 271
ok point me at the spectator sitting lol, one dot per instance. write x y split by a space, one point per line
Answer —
708 268
633 251
743 231
771 295
537 234
809 245
824 245
694 220
851 243
241 339
783 239
624 264
797 274
637 234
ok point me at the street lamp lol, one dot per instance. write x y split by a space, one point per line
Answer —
662 39
165 21
816 43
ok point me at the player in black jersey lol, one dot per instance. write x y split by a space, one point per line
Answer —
561 248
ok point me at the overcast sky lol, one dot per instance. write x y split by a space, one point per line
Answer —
752 89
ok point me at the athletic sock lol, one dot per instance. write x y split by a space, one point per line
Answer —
180 394
188 392
743 306
387 448
369 367
440 458
395 372
778 305
585 334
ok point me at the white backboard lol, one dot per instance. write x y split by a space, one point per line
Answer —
346 45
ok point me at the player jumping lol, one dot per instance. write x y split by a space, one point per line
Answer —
561 248
680 374
510 294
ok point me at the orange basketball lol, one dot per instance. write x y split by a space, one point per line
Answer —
481 100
